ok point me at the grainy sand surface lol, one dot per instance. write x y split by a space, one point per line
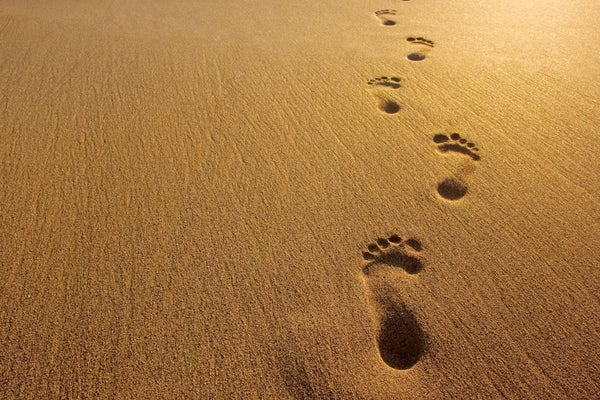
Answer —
260 200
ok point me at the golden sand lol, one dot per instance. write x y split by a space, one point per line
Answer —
299 200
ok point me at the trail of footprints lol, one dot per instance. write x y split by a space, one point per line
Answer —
400 339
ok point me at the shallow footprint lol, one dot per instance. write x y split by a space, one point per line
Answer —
400 340
386 104
421 54
385 15
455 188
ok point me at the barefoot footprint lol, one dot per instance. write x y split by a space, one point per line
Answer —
419 40
456 143
455 188
386 104
393 82
395 253
400 340
384 16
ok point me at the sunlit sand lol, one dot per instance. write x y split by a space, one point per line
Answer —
299 200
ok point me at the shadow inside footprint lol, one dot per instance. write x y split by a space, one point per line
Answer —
452 189
401 340
416 56
397 259
389 107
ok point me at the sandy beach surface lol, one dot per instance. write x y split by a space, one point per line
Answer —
299 200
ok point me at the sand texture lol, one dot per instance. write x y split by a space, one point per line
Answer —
299 200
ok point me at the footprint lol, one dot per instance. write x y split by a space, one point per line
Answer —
393 82
455 188
393 252
421 54
400 340
386 104
456 143
452 189
384 16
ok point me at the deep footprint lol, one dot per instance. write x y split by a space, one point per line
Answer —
400 340
384 15
387 105
457 144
